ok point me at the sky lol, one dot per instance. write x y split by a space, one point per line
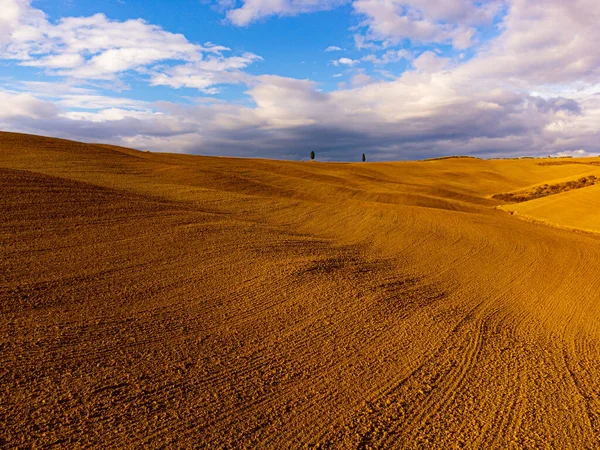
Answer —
395 79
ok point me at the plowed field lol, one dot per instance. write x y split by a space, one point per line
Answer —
175 301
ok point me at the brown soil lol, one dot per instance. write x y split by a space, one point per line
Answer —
172 301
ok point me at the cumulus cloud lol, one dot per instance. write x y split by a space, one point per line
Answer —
349 62
14 14
202 75
544 43
430 62
415 115
19 105
531 90
334 48
97 48
361 79
437 21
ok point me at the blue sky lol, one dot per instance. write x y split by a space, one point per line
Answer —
297 51
278 78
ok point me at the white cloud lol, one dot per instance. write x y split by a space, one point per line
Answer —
390 56
60 61
12 12
202 75
109 114
430 62
575 153
544 43
334 48
96 102
361 43
427 21
253 10
361 79
345 62
51 88
19 105
286 102
97 48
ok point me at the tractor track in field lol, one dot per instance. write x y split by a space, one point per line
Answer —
165 301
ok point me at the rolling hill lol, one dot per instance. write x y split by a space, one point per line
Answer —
162 300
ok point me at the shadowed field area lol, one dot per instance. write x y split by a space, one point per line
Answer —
161 300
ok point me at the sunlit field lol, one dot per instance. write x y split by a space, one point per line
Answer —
159 300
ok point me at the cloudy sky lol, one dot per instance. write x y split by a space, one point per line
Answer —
396 79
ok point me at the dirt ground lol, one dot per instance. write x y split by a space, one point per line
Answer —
175 301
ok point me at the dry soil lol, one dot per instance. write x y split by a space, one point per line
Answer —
175 301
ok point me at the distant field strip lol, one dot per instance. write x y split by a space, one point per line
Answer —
546 189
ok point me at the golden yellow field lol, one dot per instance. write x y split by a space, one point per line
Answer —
578 209
173 301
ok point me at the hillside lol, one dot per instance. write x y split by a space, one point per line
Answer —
161 300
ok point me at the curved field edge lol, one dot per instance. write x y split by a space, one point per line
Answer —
573 210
